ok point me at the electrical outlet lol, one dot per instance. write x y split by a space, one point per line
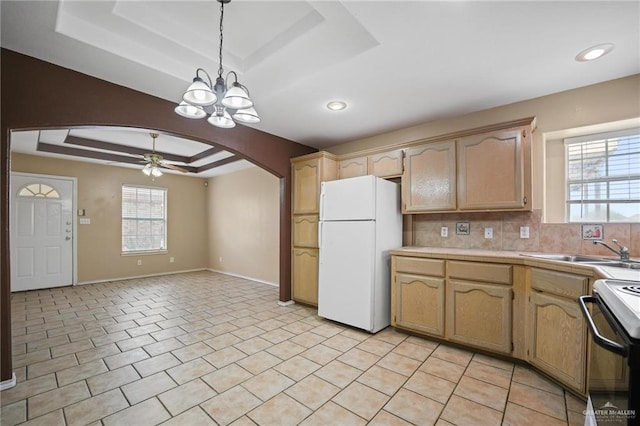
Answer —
444 231
524 232
220 259
139 262
488 232
172 259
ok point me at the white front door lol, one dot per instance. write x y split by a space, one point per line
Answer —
42 227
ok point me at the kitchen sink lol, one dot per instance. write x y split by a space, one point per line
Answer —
568 258
588 260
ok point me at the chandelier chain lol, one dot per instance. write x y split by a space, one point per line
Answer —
220 70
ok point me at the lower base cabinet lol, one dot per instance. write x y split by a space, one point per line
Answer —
304 282
557 336
490 305
419 303
480 315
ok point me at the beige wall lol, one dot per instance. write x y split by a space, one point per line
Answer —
99 193
601 103
602 107
243 210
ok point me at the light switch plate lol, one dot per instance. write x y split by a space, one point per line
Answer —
85 221
444 231
524 232
488 232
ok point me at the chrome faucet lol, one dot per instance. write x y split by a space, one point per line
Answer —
623 252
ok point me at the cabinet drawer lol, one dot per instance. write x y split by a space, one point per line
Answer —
484 272
559 283
305 231
420 266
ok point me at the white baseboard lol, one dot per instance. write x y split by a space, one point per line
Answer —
246 278
8 384
142 276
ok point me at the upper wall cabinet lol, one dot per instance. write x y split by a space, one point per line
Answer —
308 172
386 164
352 167
484 170
429 179
491 170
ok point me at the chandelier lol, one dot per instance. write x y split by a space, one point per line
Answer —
227 104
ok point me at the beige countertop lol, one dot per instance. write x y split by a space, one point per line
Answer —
519 258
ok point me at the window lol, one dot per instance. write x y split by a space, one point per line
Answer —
144 219
40 190
603 177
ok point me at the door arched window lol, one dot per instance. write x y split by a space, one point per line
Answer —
40 190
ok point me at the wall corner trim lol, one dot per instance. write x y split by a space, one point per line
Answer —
8 384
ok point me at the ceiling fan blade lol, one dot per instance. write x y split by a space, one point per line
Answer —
174 167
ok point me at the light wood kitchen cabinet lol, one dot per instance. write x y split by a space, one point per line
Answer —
304 264
429 178
417 295
491 170
557 341
305 230
386 164
352 167
308 172
479 305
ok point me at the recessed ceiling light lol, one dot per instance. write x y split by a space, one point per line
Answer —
594 52
336 105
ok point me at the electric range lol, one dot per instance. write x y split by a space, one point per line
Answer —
614 376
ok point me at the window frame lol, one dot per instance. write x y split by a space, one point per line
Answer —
159 250
607 178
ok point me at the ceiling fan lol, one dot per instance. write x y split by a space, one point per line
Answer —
155 161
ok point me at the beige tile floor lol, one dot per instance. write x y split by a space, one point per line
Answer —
204 348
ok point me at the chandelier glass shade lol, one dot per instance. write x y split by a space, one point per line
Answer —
224 103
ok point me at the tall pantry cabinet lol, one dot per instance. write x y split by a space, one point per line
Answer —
308 172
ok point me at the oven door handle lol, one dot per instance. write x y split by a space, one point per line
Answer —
609 345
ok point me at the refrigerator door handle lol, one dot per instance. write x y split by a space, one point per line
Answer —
322 201
320 234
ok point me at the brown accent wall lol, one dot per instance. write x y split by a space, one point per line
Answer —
39 95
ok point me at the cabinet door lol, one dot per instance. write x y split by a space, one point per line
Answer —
557 339
419 303
386 164
304 282
429 178
305 230
491 171
306 186
479 315
352 167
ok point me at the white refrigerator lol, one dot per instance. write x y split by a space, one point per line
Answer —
360 222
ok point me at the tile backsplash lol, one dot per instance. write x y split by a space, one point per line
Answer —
543 237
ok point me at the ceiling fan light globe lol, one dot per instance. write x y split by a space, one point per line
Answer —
190 111
237 98
155 171
199 93
222 120
247 115
147 170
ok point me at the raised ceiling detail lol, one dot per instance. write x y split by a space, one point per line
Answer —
396 63
126 148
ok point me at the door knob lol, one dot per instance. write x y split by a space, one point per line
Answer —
67 238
